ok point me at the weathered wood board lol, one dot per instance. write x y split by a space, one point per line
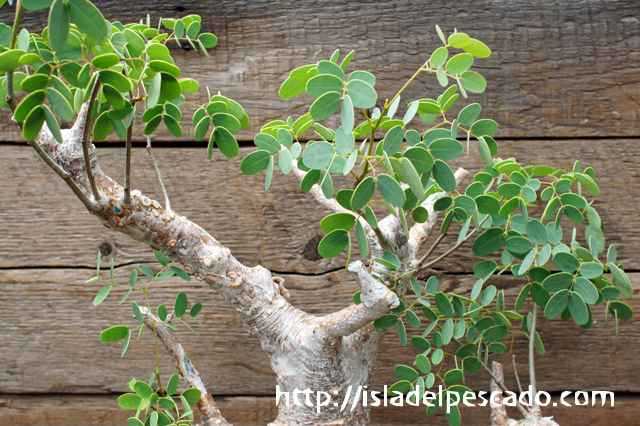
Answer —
51 345
558 69
279 228
102 410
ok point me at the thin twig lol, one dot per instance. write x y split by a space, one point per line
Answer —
504 389
432 248
90 204
452 249
85 144
532 370
11 96
167 204
127 168
515 372
209 412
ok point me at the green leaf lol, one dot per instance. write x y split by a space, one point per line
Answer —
566 262
385 321
192 395
621 281
335 221
390 190
393 140
318 155
115 79
52 123
345 141
58 25
226 142
129 401
35 4
114 334
439 57
33 123
323 83
622 310
296 83
255 162
268 143
179 272
102 127
405 372
143 389
485 127
347 116
412 177
365 76
172 386
285 162
363 193
88 19
557 282
60 105
487 204
325 106
477 48
591 270
162 312
420 158
578 309
446 149
518 245
208 40
459 63
488 242
363 244
328 67
362 94
102 294
444 306
30 102
165 67
180 305
495 333
10 60
333 243
154 92
473 82
227 121
169 87
469 114
443 176
557 304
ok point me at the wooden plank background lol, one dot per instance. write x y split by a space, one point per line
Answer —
563 83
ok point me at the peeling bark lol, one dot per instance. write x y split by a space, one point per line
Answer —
331 354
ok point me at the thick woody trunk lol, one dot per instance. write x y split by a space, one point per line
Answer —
323 354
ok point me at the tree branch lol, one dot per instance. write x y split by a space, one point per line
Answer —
334 206
85 141
497 385
376 300
167 204
210 415
419 232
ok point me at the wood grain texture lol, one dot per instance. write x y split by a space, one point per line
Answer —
50 337
98 410
279 228
558 69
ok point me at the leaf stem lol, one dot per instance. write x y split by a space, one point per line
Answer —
532 370
11 96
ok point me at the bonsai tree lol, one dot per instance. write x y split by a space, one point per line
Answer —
388 190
